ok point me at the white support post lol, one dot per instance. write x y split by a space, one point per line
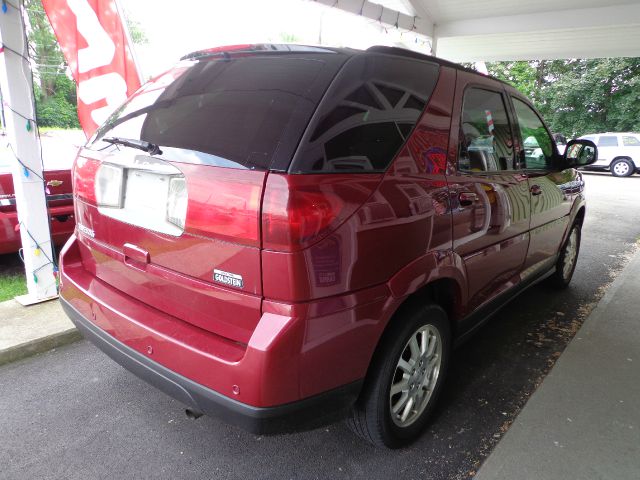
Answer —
28 179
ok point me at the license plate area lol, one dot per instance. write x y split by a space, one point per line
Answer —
145 201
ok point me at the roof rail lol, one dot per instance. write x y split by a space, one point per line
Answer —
403 52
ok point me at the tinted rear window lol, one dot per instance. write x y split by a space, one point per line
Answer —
239 112
366 115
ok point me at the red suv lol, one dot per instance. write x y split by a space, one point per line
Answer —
285 235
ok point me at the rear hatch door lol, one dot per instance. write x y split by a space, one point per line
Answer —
168 192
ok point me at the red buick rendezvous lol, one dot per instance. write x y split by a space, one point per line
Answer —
285 235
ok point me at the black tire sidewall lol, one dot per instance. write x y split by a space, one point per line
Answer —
393 435
560 265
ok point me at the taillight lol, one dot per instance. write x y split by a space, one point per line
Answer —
298 210
84 179
224 203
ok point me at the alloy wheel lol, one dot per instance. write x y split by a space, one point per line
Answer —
416 375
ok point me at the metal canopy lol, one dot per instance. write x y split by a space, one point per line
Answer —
491 30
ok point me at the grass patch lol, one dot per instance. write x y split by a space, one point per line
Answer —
11 285
58 129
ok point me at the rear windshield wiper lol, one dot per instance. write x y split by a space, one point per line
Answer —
143 145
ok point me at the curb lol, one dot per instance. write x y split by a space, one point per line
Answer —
39 345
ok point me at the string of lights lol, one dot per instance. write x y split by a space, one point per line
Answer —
31 122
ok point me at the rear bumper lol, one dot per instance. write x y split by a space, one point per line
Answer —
304 414
302 367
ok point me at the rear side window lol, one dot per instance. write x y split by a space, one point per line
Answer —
366 115
629 141
608 141
238 112
486 141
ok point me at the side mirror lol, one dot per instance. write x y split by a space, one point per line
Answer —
579 153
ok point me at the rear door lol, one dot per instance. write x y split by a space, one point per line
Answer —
168 192
608 148
490 196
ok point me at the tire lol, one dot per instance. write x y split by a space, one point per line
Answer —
622 168
372 418
566 264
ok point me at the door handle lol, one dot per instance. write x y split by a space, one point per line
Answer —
535 190
467 198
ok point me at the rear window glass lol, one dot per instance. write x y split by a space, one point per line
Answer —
239 112
366 115
630 141
608 141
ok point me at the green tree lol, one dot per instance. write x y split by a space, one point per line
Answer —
579 96
55 91
138 35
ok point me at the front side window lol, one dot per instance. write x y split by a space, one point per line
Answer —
608 141
486 142
537 144
629 141
366 115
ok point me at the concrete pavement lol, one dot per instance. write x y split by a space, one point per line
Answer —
583 422
26 331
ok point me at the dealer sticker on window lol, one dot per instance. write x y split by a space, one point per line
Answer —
226 278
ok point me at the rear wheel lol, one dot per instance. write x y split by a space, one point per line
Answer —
567 260
622 168
405 379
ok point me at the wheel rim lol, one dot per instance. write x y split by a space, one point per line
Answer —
415 376
570 254
621 168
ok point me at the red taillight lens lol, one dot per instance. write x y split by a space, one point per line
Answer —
84 179
224 203
298 210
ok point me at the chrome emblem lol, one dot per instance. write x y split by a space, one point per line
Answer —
226 278
54 183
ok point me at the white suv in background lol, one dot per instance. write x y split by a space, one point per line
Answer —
618 153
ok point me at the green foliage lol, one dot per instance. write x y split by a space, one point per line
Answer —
55 92
579 96
138 35
12 285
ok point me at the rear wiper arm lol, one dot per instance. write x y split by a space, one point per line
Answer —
143 145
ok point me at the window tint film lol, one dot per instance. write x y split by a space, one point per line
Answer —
486 142
366 115
234 112
608 141
537 144
629 141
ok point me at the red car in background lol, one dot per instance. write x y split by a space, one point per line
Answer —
58 149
